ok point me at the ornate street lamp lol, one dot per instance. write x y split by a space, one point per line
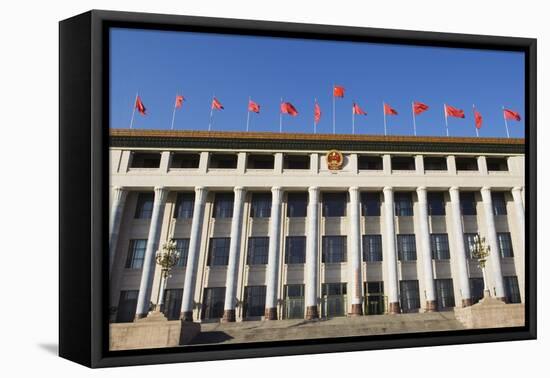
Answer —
166 258
480 251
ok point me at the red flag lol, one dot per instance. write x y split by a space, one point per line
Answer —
288 108
338 91
419 107
453 112
316 113
510 114
253 106
179 101
389 110
478 119
140 107
216 104
357 110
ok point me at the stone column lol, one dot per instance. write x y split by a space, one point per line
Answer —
148 271
273 255
461 253
390 252
193 254
355 253
494 256
234 249
312 254
117 208
425 247
520 213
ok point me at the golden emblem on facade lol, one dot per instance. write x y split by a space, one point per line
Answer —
335 160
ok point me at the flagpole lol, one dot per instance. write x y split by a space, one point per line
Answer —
446 121
211 113
281 117
174 113
414 118
248 113
352 121
505 123
333 111
314 122
384 113
133 111
475 126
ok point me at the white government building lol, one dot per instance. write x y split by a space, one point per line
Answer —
267 229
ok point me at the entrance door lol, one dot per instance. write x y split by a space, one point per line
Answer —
375 303
127 306
334 300
294 302
212 303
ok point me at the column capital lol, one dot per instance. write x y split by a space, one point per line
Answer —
313 189
388 189
160 193
239 190
421 189
277 193
486 189
517 189
200 193
453 189
119 193
353 189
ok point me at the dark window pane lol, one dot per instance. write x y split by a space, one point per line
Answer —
403 204
499 203
445 293
334 299
406 247
218 251
370 204
369 162
136 254
254 301
223 205
469 243
172 303
294 301
144 207
334 204
440 246
476 289
296 205
295 250
185 160
182 246
223 161
375 302
435 164
296 161
334 249
436 203
260 207
258 248
260 161
372 248
184 205
468 203
505 244
466 164
410 296
145 160
511 289
127 304
213 302
403 163
497 164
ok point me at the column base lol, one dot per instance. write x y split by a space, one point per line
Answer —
187 316
356 309
467 302
431 306
228 316
139 316
503 299
312 313
271 313
394 308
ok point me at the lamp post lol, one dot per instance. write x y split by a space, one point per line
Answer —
480 251
166 258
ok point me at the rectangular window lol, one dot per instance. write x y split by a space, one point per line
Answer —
254 301
296 205
372 248
476 289
334 249
218 254
505 244
127 305
402 163
497 164
440 246
260 161
370 204
369 163
511 289
469 243
182 246
436 203
172 303
466 163
212 303
296 161
295 250
334 204
258 248
468 203
145 160
410 296
184 205
136 254
435 163
223 161
403 204
499 203
223 205
445 293
260 207
406 247
185 160
294 301
144 207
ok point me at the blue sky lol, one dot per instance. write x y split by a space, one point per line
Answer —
157 64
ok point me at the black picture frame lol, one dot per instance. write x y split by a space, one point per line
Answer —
83 181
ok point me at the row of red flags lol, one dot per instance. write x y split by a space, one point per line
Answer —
338 91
